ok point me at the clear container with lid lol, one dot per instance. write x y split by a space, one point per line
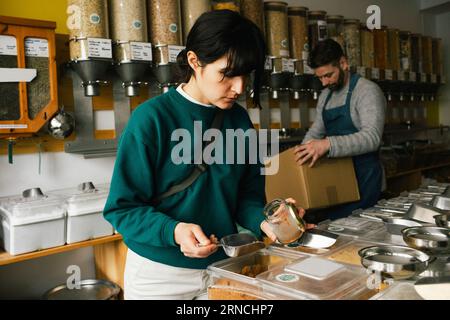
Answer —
381 48
315 279
384 237
277 30
367 47
298 33
317 25
399 291
335 25
86 19
352 39
128 24
394 49
33 221
405 50
254 11
191 10
233 5
165 27
349 253
85 219
353 227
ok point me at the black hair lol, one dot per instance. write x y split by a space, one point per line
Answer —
326 52
224 32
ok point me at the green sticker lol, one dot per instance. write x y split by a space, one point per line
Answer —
335 229
284 43
173 28
287 277
95 18
137 24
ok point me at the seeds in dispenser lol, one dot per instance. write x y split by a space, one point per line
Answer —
191 10
277 31
254 11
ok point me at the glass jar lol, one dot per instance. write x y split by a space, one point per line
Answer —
416 53
352 40
191 10
394 49
128 24
233 5
86 19
405 50
438 56
335 25
284 220
317 25
164 18
277 31
254 11
381 48
427 54
367 47
298 33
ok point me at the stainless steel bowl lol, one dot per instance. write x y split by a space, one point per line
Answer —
423 213
395 225
442 220
433 240
441 202
395 262
88 290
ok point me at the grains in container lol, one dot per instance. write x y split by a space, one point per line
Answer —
438 56
254 11
164 19
9 91
233 5
416 53
38 90
352 40
405 50
190 11
367 47
335 25
427 54
317 26
381 48
393 49
277 31
298 33
86 19
128 23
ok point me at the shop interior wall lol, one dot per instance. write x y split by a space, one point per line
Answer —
59 170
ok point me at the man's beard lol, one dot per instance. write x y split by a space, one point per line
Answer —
340 82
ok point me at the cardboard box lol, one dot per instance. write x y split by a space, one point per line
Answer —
330 182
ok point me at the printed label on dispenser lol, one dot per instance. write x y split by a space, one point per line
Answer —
375 73
268 64
412 76
288 65
423 78
99 48
8 46
141 51
323 30
388 74
362 71
35 47
284 53
433 78
174 51
307 69
401 76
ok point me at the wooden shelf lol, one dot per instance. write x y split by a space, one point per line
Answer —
405 173
6 258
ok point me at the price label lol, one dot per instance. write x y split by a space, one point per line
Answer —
99 48
433 78
307 69
288 65
401 76
389 74
362 71
141 51
8 46
412 76
268 64
375 73
423 77
174 51
35 47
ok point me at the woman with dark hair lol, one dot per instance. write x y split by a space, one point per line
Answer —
170 213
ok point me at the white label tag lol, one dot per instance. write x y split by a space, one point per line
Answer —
17 75
99 48
288 65
307 69
174 51
284 53
8 46
305 55
35 47
388 74
361 71
13 126
412 77
375 73
268 64
141 51
323 30
433 78
423 78
401 76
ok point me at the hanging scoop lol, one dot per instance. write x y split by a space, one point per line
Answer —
240 244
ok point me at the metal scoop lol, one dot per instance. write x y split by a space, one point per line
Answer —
236 245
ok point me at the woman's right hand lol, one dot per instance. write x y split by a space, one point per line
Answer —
193 242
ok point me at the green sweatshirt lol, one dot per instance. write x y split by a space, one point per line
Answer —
221 197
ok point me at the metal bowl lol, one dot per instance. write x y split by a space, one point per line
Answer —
441 202
433 240
395 225
423 213
88 290
395 262
442 220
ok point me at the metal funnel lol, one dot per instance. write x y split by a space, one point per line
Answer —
91 72
132 75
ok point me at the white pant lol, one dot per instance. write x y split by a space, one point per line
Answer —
148 280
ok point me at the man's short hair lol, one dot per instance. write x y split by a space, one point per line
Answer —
324 53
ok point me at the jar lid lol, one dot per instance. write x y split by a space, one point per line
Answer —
352 21
275 3
298 10
335 18
317 13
